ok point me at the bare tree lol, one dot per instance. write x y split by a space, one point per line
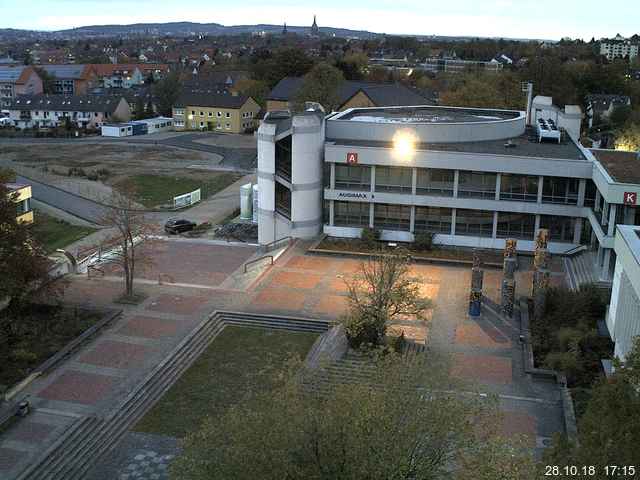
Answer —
382 291
130 229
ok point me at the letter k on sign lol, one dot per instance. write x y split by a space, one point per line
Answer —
630 198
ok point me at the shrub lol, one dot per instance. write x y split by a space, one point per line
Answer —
103 172
423 241
370 236
93 176
360 330
399 343
23 355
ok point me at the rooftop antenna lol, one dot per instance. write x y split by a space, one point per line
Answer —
527 87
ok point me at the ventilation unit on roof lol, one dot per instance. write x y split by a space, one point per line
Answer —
547 129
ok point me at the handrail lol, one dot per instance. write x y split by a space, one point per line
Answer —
574 250
267 246
257 260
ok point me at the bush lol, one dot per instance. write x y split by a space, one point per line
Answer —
23 355
399 343
361 331
423 241
103 172
76 172
93 176
370 236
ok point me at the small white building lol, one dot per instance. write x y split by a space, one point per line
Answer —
156 125
623 315
116 130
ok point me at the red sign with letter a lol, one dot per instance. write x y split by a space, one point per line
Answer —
630 198
352 158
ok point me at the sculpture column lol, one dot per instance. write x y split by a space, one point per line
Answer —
541 274
475 297
509 268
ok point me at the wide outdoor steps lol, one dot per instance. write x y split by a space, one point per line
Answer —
90 437
581 271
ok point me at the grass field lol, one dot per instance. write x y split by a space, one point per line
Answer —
240 360
54 233
156 190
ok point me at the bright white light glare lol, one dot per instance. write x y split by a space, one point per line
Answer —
404 145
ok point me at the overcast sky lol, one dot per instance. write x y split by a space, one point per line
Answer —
548 19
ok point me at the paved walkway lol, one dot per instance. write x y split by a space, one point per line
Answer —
99 376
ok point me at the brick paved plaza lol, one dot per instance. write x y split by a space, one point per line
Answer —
96 379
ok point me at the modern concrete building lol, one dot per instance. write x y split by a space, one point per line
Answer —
619 47
623 314
472 177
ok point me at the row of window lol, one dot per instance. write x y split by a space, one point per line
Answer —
440 182
476 223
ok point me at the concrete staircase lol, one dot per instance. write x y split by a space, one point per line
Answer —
90 437
580 270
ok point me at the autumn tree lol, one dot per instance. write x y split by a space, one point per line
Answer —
256 89
167 91
397 425
322 84
487 90
380 292
629 138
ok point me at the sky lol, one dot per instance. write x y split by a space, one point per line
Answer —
540 19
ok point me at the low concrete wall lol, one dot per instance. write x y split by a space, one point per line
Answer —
330 347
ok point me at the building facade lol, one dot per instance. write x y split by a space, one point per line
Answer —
471 177
21 195
223 112
71 79
618 47
18 80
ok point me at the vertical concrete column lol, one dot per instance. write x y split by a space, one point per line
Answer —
597 207
510 265
494 232
629 215
331 212
412 219
577 231
498 182
453 221
537 225
611 229
371 214
605 213
414 180
332 181
540 187
373 178
606 260
456 181
582 188
266 183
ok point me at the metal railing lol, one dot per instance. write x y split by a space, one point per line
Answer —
251 262
269 246
575 250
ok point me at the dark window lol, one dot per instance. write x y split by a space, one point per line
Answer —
392 217
326 175
393 179
477 185
590 194
350 214
283 158
516 225
560 190
519 187
283 200
433 219
475 223
326 212
353 177
435 181
560 228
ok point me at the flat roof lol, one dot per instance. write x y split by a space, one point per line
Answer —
525 145
426 114
622 167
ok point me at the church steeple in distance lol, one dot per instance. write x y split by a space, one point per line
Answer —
315 31
284 29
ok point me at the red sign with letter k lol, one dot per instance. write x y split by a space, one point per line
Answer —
630 198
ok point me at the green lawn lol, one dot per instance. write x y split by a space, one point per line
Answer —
156 190
238 361
54 233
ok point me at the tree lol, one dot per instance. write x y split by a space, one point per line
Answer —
48 80
131 229
167 91
256 89
353 66
23 262
609 431
628 138
387 428
620 115
322 85
285 62
382 291
488 90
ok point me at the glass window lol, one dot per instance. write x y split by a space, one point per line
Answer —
590 194
283 200
519 187
393 179
516 225
560 190
283 158
435 181
475 223
326 212
353 177
351 214
433 219
560 228
392 217
476 185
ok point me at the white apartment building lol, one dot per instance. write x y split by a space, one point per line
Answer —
618 47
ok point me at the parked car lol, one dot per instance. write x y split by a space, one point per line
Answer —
178 225
5 122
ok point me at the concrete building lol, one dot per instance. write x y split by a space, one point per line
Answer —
72 79
618 47
456 65
83 111
472 177
220 112
18 80
623 314
116 130
21 195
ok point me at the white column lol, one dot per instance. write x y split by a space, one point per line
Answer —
582 188
540 186
331 212
332 181
494 232
412 220
414 180
537 224
604 273
498 181
373 178
577 231
453 221
456 180
612 219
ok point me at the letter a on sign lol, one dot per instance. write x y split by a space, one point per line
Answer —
630 198
352 158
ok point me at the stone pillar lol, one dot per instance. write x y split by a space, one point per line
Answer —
509 281
541 273
475 297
